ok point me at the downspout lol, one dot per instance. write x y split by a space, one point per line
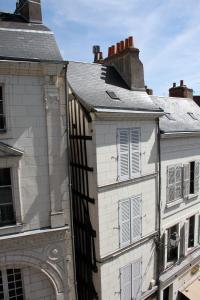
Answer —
69 174
159 263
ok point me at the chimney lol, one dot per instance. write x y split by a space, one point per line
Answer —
125 58
181 91
148 90
30 10
98 55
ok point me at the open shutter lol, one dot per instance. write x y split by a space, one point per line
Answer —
196 230
165 239
186 180
135 152
186 236
124 223
171 183
125 282
136 220
137 279
179 244
179 182
123 153
196 177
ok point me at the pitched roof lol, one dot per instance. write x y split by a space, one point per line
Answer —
23 40
92 82
180 119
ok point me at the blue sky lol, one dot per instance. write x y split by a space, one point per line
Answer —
166 32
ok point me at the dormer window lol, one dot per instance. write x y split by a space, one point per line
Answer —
2 113
169 117
194 117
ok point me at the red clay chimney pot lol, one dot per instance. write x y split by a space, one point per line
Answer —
130 42
181 82
122 45
126 43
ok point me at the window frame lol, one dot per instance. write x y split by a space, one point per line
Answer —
131 239
3 115
130 151
5 281
14 165
170 263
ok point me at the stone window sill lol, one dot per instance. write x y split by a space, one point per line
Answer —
7 230
174 203
192 196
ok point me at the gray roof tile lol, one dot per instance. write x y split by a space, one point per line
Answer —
91 81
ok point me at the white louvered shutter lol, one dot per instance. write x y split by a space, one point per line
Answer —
136 217
186 180
196 177
137 279
123 154
171 183
125 282
135 152
186 236
179 182
165 250
124 223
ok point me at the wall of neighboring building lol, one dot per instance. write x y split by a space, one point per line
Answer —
110 270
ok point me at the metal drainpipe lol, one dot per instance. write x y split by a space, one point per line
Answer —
159 210
69 174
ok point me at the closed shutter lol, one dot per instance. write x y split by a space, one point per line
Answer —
135 152
136 213
186 236
125 282
178 178
165 250
186 180
171 183
123 154
124 223
196 177
137 279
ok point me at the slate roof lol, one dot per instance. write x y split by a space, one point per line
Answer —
178 109
22 40
91 81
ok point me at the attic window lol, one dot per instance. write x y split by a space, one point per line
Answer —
112 95
192 116
169 117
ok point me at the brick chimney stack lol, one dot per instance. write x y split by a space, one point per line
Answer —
125 58
30 10
181 91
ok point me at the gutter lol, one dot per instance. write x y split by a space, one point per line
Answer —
69 176
159 263
33 60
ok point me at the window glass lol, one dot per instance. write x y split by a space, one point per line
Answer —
191 232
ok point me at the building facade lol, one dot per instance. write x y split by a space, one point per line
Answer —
180 206
36 249
113 133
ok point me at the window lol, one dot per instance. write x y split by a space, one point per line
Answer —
193 116
131 281
169 117
2 115
174 183
128 141
130 225
11 286
191 232
182 181
171 245
6 201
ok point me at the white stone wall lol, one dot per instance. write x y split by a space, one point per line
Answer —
110 271
106 144
36 285
178 151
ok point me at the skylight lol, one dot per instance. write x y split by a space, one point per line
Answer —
192 116
112 95
169 117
